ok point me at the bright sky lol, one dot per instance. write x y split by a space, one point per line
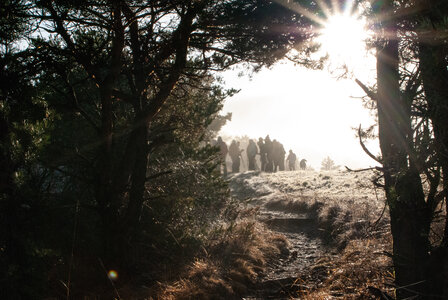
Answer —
310 112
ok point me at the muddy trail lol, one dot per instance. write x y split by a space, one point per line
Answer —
300 229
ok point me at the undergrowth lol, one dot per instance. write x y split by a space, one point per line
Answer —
235 254
230 264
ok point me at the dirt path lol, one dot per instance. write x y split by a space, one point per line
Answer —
300 230
311 206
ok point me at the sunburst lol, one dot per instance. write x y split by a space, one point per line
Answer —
342 32
343 39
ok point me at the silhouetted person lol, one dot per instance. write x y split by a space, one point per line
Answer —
234 152
263 158
303 164
281 154
278 155
269 154
223 153
291 160
251 151
275 154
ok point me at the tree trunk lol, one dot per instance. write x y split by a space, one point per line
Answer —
434 73
106 197
408 211
137 189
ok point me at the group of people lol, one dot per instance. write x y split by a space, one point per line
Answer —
272 155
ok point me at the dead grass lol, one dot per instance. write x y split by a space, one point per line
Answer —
234 263
231 265
359 272
203 280
238 253
339 221
360 269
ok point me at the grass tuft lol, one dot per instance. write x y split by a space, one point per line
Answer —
361 267
234 261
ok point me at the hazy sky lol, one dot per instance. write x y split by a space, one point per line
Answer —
310 112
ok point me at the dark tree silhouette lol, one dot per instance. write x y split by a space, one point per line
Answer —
404 145
135 56
433 66
124 82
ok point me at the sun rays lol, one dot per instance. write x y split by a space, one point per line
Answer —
341 31
322 12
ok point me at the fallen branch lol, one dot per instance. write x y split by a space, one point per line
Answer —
362 170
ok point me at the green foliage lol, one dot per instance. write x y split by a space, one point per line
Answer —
185 193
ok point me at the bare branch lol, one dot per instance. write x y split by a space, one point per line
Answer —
362 170
365 148
62 31
74 97
153 176
369 92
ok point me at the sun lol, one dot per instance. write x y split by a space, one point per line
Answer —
342 31
343 39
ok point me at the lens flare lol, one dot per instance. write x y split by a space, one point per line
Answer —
113 275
